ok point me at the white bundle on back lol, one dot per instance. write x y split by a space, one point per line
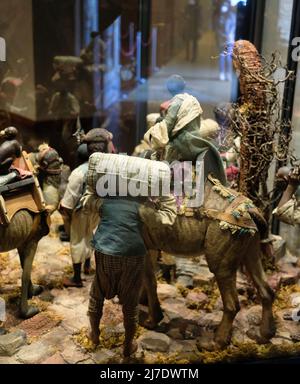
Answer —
121 175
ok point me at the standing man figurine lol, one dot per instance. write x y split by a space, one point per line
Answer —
78 223
120 257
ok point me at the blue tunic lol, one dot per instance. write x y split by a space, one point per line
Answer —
120 230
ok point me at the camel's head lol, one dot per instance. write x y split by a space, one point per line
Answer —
48 165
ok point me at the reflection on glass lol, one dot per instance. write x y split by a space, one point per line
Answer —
88 63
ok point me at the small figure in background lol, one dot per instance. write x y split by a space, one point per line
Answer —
229 145
78 223
288 209
224 23
192 33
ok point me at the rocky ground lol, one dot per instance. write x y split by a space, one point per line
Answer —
191 303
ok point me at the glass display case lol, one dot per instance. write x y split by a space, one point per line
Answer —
68 67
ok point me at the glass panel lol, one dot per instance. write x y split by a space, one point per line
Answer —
107 62
296 118
276 35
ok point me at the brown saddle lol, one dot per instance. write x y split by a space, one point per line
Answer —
22 194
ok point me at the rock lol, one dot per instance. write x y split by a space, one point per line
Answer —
238 337
39 324
183 346
8 360
280 341
243 301
35 353
112 314
72 319
284 334
56 337
254 334
154 341
186 266
254 315
113 332
274 281
289 258
279 246
295 337
203 277
191 331
175 333
68 300
187 269
286 328
202 261
149 357
167 267
289 275
287 316
211 320
72 354
103 356
186 281
178 315
12 342
218 306
206 339
87 361
241 319
166 291
242 285
196 299
54 359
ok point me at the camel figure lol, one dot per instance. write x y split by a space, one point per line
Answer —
215 231
26 228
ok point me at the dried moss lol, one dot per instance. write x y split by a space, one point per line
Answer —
68 269
250 351
213 293
12 296
283 296
82 339
50 284
64 251
4 260
108 341
182 290
40 304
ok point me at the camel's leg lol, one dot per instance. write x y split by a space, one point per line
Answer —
33 289
255 269
223 254
27 254
155 312
226 281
